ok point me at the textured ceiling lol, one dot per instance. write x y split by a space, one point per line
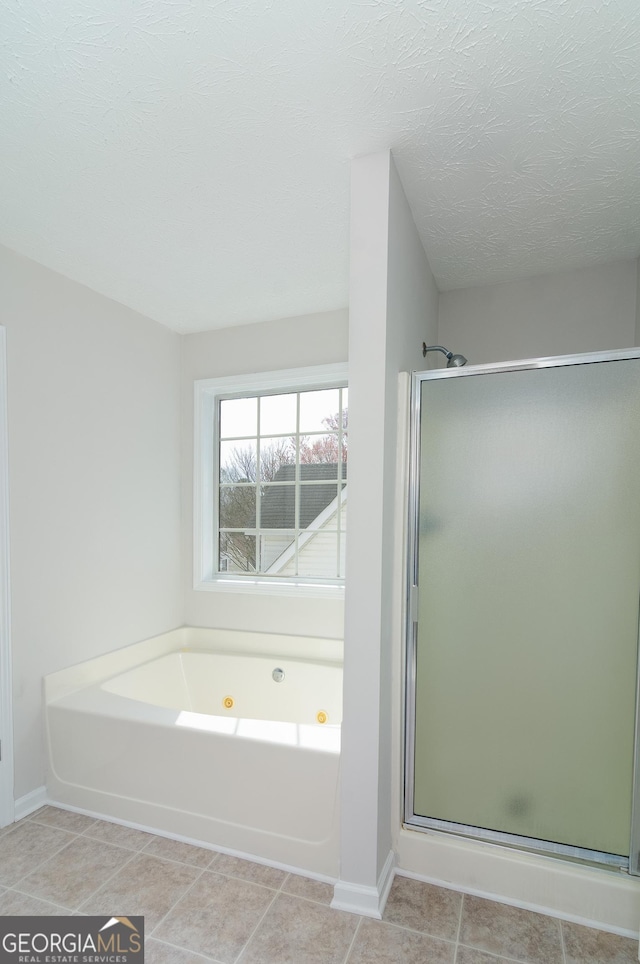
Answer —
190 158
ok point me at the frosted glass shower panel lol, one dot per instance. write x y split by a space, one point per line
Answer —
528 573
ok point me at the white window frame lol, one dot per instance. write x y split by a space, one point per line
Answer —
207 392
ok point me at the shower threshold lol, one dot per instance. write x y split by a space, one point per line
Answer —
516 842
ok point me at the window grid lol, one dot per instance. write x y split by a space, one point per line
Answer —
262 486
296 495
339 505
258 490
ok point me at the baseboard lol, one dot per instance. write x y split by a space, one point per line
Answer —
31 802
364 900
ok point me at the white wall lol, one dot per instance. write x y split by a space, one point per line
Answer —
287 343
93 402
393 307
586 309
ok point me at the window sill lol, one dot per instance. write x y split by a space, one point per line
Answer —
270 588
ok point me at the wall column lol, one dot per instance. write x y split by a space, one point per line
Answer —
393 307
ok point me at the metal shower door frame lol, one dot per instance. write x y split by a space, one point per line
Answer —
413 821
7 805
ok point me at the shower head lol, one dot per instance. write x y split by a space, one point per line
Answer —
456 361
453 361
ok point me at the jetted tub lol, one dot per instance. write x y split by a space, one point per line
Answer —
232 739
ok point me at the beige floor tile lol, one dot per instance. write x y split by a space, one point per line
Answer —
75 872
469 955
63 819
379 943
35 813
19 823
182 852
424 907
248 870
510 932
216 917
146 885
583 945
23 905
316 890
26 847
296 930
157 953
115 833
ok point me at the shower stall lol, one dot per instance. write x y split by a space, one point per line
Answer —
524 587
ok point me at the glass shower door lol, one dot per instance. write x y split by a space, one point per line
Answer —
528 572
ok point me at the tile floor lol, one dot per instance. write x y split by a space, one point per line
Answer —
200 905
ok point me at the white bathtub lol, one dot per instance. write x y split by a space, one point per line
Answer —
190 734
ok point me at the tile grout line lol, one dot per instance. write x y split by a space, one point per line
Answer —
562 945
253 932
16 888
245 880
501 959
44 900
42 823
308 900
87 833
353 940
45 860
173 860
34 818
175 904
283 882
106 881
414 930
211 869
181 947
457 940
133 854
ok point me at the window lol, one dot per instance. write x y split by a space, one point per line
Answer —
271 480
